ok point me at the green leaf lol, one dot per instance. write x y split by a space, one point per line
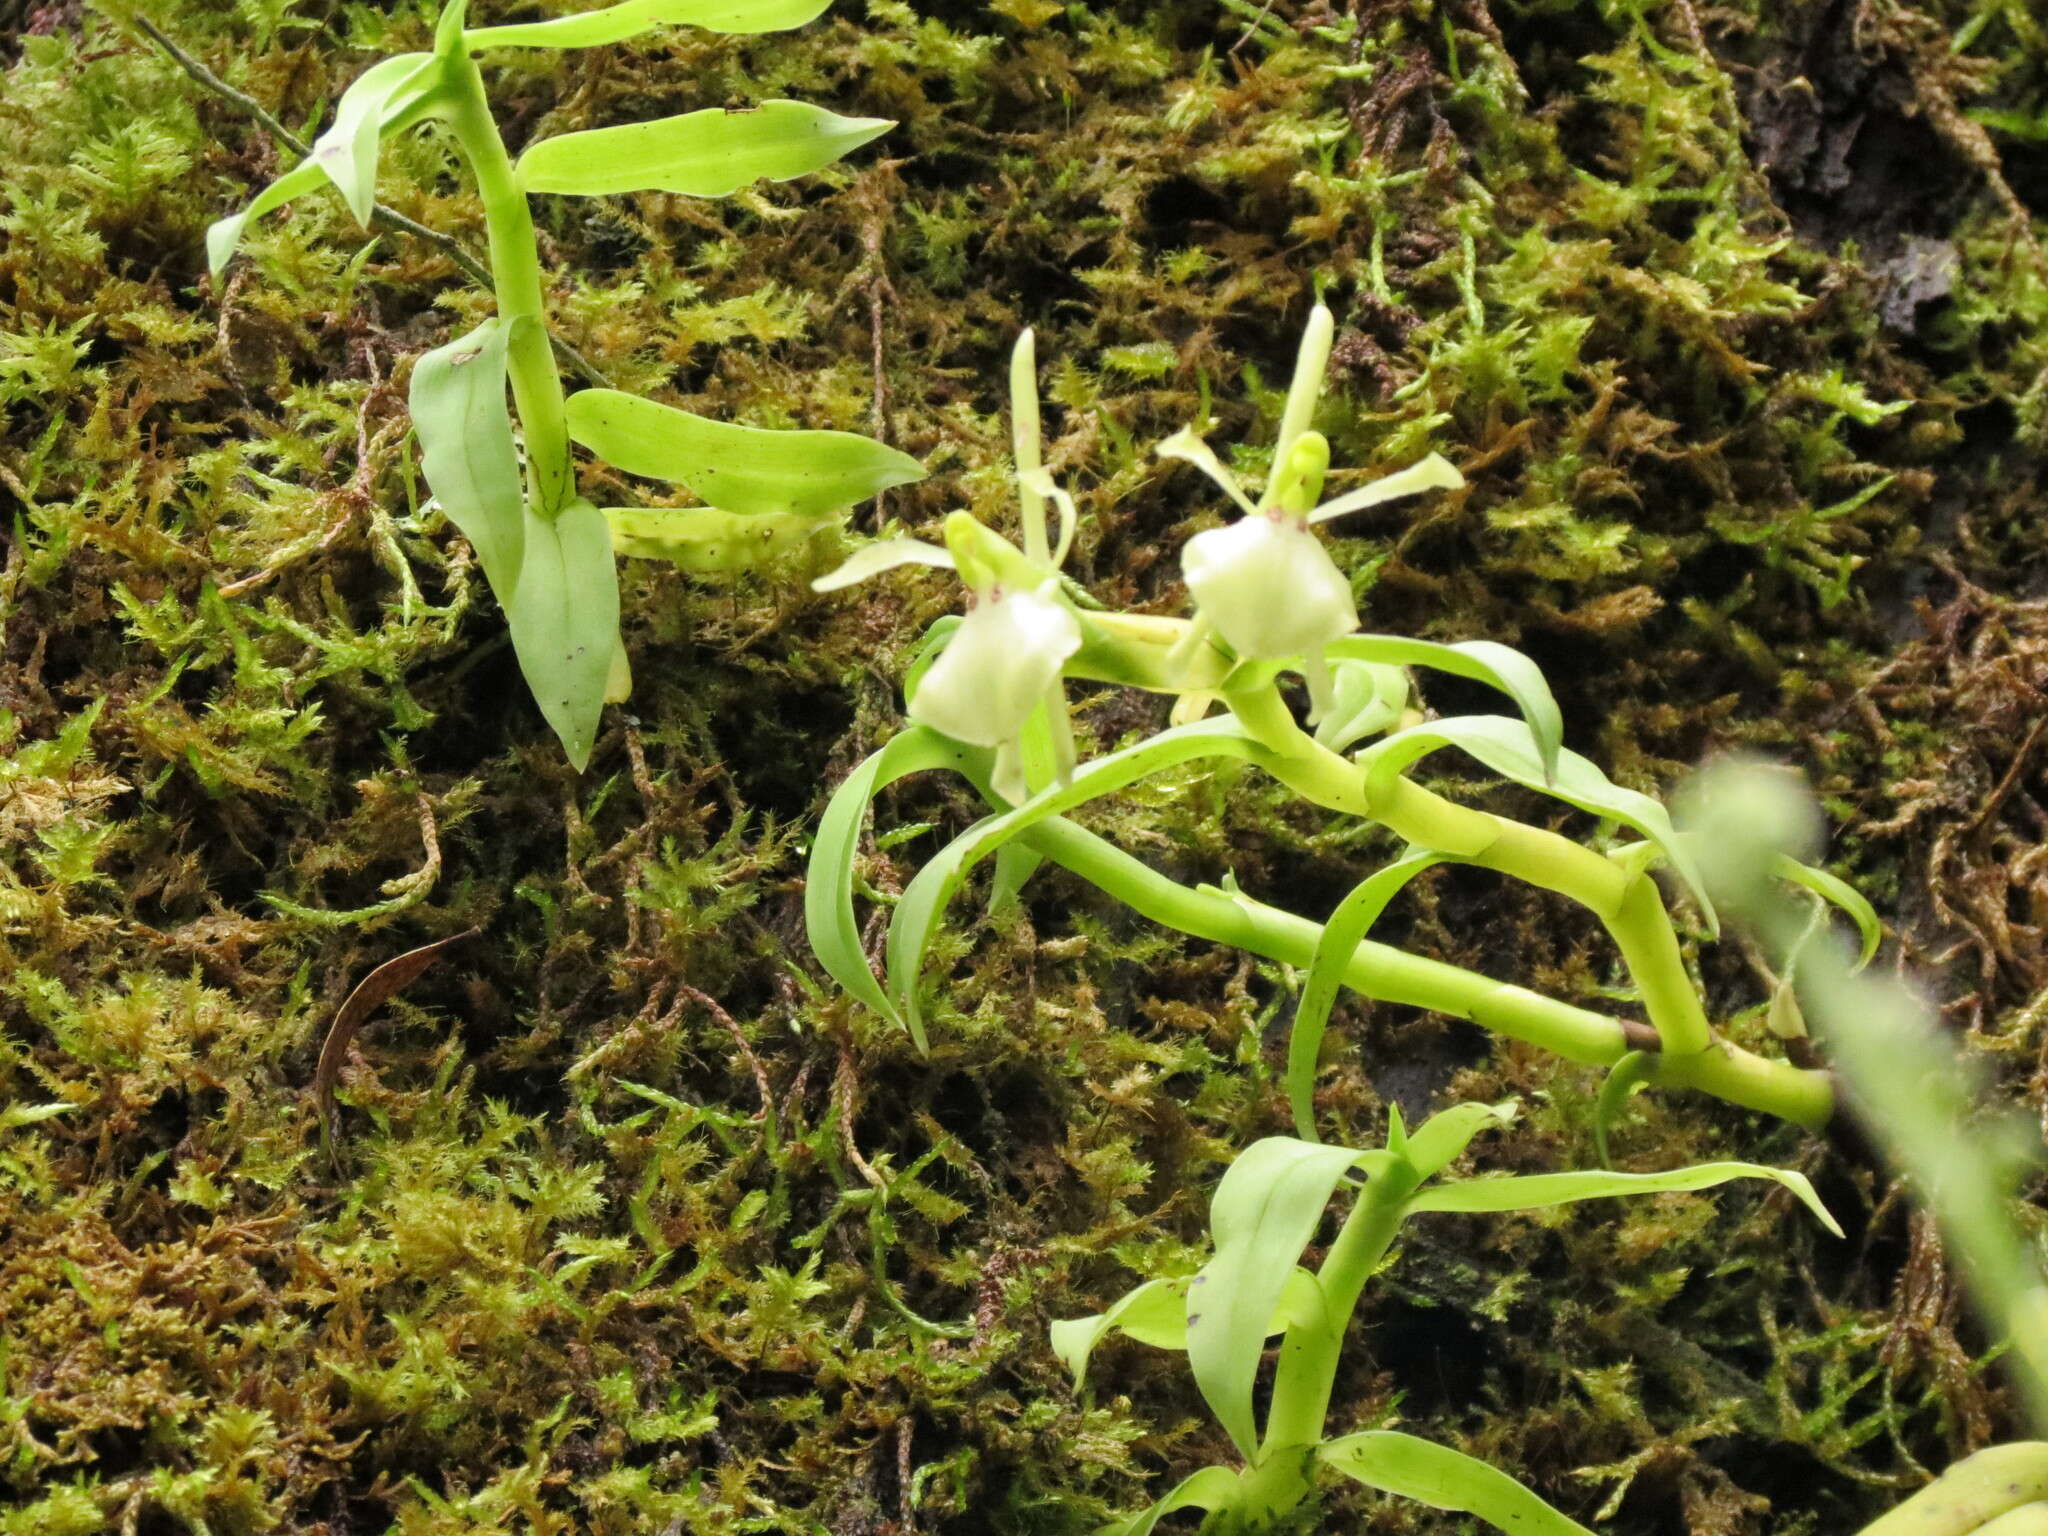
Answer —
225 234
1510 748
1266 1209
1437 1143
383 97
705 541
924 901
1341 936
466 449
712 153
1626 1075
347 151
740 469
1443 1478
616 23
1155 1313
1211 1488
564 615
1838 893
1483 661
829 919
1535 1191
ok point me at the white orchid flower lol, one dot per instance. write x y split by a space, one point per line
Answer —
1005 659
1266 583
998 666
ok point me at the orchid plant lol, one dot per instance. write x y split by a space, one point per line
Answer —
988 699
1265 1214
504 475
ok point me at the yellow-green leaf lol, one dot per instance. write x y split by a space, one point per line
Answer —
711 153
739 469
616 23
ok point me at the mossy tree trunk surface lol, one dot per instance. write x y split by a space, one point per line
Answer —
1735 318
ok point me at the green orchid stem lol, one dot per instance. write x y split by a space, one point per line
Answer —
1391 975
1307 1372
1628 904
516 278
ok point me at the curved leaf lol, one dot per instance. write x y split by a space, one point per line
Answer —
1623 1078
1443 1478
223 235
1483 661
924 901
739 469
347 152
1266 1209
563 611
1537 1190
1341 936
1510 748
705 541
464 428
1211 1488
829 920
1840 894
1435 1144
711 153
375 103
616 23
1155 1313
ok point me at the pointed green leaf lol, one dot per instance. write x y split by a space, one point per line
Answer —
1443 1478
706 542
1537 1190
1154 1313
347 151
223 235
1015 865
1341 936
1510 748
1483 661
1212 1488
829 920
712 153
740 469
924 901
1266 1209
564 615
1439 1141
384 97
1841 895
616 23
466 449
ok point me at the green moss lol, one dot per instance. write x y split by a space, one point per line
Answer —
566 1268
